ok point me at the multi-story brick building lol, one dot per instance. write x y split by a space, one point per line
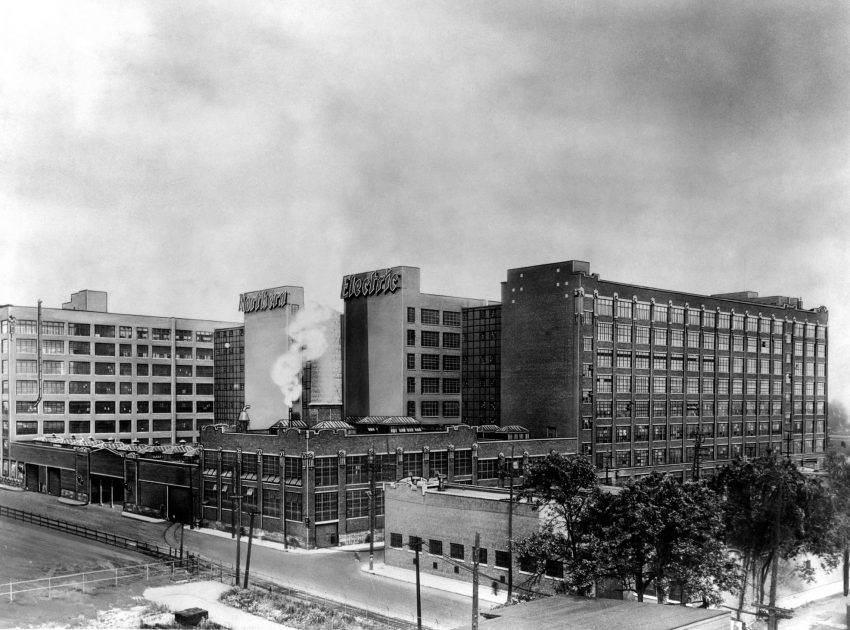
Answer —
311 486
643 377
83 370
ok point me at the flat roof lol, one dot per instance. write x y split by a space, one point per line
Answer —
583 613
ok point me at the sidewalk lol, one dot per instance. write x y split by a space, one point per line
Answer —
289 548
816 593
485 590
205 595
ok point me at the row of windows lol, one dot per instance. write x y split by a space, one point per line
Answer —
431 339
661 432
357 502
30 327
451 363
644 311
662 456
30 427
84 387
625 359
429 385
628 384
640 335
54 347
485 381
431 317
676 408
456 551
109 406
431 408
356 470
30 366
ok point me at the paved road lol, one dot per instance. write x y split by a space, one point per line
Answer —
333 575
338 576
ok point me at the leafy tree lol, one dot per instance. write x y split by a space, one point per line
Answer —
839 420
838 482
657 530
563 489
772 511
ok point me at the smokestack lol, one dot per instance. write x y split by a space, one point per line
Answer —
309 331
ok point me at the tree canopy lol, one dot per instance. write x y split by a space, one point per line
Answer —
660 531
772 510
838 486
654 530
564 488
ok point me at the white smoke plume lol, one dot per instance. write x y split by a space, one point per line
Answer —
308 341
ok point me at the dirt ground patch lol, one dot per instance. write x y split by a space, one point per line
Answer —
30 552
71 608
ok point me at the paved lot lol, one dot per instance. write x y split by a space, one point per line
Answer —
103 518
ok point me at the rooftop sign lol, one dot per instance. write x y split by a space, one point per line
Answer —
262 301
370 283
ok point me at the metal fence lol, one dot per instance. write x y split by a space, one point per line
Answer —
196 567
47 586
90 534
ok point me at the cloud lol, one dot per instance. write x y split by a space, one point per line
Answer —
174 154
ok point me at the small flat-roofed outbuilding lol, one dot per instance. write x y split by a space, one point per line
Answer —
569 612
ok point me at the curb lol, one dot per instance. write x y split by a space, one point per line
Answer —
447 585
139 517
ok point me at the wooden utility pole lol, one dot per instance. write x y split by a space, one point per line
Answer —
250 538
511 530
417 546
475 561
371 464
698 438
772 616
238 527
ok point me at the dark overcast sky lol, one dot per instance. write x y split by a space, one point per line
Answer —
176 154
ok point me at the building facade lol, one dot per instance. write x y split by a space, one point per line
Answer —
273 367
82 370
311 487
155 481
481 368
402 348
653 379
430 513
229 374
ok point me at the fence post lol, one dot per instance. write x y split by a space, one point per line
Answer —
10 592
116 577
147 572
48 587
